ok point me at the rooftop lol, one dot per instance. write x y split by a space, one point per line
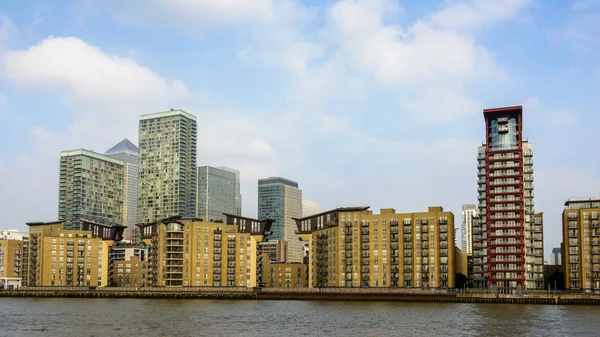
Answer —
170 113
277 180
124 146
92 154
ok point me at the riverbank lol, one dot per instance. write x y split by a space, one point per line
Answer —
329 294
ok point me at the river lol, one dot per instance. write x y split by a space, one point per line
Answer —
140 317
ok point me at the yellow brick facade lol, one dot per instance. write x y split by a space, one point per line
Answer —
60 257
189 252
12 258
581 239
130 273
284 275
352 247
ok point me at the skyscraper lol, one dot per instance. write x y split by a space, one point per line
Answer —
507 242
128 153
555 258
238 194
281 200
218 193
90 187
468 212
167 167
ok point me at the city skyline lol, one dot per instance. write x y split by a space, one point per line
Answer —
399 126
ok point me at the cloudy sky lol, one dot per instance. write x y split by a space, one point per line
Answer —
363 102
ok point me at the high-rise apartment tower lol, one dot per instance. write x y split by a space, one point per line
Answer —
167 167
507 242
90 187
280 199
469 211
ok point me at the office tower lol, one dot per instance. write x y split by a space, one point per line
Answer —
281 200
65 257
229 251
238 194
581 237
352 247
555 258
128 153
310 208
91 186
468 212
218 193
505 171
167 166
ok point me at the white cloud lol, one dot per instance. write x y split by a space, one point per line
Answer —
84 70
7 30
562 118
202 14
475 14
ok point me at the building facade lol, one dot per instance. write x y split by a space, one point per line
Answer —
12 258
555 258
469 211
189 252
68 257
218 193
284 275
581 237
91 186
167 166
129 154
280 199
504 244
238 194
352 247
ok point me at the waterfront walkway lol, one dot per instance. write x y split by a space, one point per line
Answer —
327 294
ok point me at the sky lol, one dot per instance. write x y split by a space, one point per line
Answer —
363 102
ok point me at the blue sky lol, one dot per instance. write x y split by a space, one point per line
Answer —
372 102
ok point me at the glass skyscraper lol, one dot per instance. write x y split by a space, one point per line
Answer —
167 167
280 199
218 192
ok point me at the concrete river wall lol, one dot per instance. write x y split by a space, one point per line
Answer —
326 294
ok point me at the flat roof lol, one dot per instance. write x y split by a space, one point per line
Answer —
577 200
92 154
40 223
502 109
277 180
170 113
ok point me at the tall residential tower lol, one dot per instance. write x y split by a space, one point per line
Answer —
469 211
507 240
90 187
280 199
167 167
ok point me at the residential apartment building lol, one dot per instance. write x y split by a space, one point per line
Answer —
128 153
66 257
218 193
14 257
280 199
128 265
352 247
284 275
91 187
275 250
581 237
167 166
504 244
189 252
469 211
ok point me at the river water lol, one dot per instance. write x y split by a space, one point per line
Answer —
141 317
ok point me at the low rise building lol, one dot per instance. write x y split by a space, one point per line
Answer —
284 275
129 266
64 257
276 250
13 257
189 252
352 247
